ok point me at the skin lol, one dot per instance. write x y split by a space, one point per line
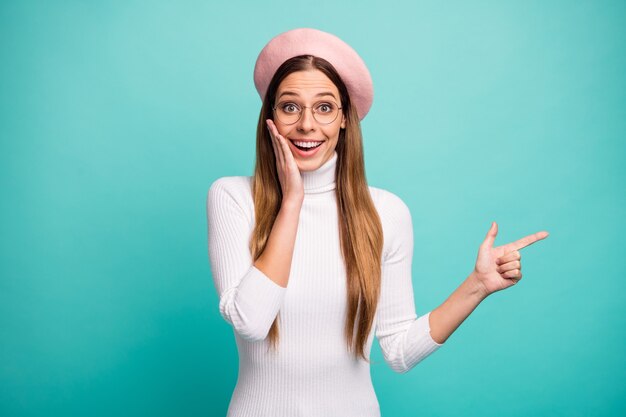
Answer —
306 88
496 267
275 262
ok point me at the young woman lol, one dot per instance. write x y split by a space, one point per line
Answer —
309 261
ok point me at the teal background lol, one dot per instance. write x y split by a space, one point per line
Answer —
115 118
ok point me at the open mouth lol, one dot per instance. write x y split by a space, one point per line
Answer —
308 147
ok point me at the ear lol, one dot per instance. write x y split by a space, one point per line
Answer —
343 122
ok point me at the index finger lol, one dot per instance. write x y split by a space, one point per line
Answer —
270 126
278 150
274 131
526 241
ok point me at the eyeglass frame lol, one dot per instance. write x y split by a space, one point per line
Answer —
307 107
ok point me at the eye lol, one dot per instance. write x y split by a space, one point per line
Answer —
325 108
290 108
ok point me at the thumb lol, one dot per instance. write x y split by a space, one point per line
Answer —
491 235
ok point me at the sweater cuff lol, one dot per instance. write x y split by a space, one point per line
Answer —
421 342
252 307
257 290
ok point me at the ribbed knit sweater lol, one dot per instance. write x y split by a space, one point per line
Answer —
312 373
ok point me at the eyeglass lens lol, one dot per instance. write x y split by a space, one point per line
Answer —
324 112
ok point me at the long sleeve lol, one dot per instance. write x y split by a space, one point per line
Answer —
249 300
404 338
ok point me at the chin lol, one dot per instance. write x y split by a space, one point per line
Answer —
309 164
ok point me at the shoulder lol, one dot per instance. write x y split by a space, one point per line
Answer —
232 183
237 189
395 218
389 205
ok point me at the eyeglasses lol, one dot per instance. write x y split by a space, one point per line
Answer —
324 112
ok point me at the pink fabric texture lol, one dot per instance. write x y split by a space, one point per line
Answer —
305 41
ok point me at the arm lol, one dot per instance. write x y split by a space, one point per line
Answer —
446 318
251 294
249 299
404 338
275 261
496 268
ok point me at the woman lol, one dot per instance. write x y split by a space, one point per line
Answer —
309 261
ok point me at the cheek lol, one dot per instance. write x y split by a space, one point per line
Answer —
334 133
282 129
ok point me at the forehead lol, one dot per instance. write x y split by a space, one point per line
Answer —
307 84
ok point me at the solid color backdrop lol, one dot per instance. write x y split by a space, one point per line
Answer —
115 118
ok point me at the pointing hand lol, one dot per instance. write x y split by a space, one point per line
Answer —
499 267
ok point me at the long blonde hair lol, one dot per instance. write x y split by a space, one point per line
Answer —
361 235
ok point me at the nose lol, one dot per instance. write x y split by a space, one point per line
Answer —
306 122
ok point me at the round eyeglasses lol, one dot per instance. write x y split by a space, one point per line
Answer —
324 112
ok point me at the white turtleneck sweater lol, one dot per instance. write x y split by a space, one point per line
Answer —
312 373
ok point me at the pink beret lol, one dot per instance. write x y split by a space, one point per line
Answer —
304 41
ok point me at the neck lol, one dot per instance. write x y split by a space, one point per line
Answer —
322 179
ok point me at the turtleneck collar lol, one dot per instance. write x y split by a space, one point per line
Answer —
322 179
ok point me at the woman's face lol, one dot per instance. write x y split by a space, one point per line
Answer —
308 89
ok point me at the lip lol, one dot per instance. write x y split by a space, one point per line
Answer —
305 140
305 154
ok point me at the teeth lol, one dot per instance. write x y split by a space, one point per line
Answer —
306 144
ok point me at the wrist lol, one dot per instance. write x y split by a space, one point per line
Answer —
476 287
293 203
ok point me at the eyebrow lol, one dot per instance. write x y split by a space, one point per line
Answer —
291 93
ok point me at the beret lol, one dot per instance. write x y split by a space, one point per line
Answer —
305 41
